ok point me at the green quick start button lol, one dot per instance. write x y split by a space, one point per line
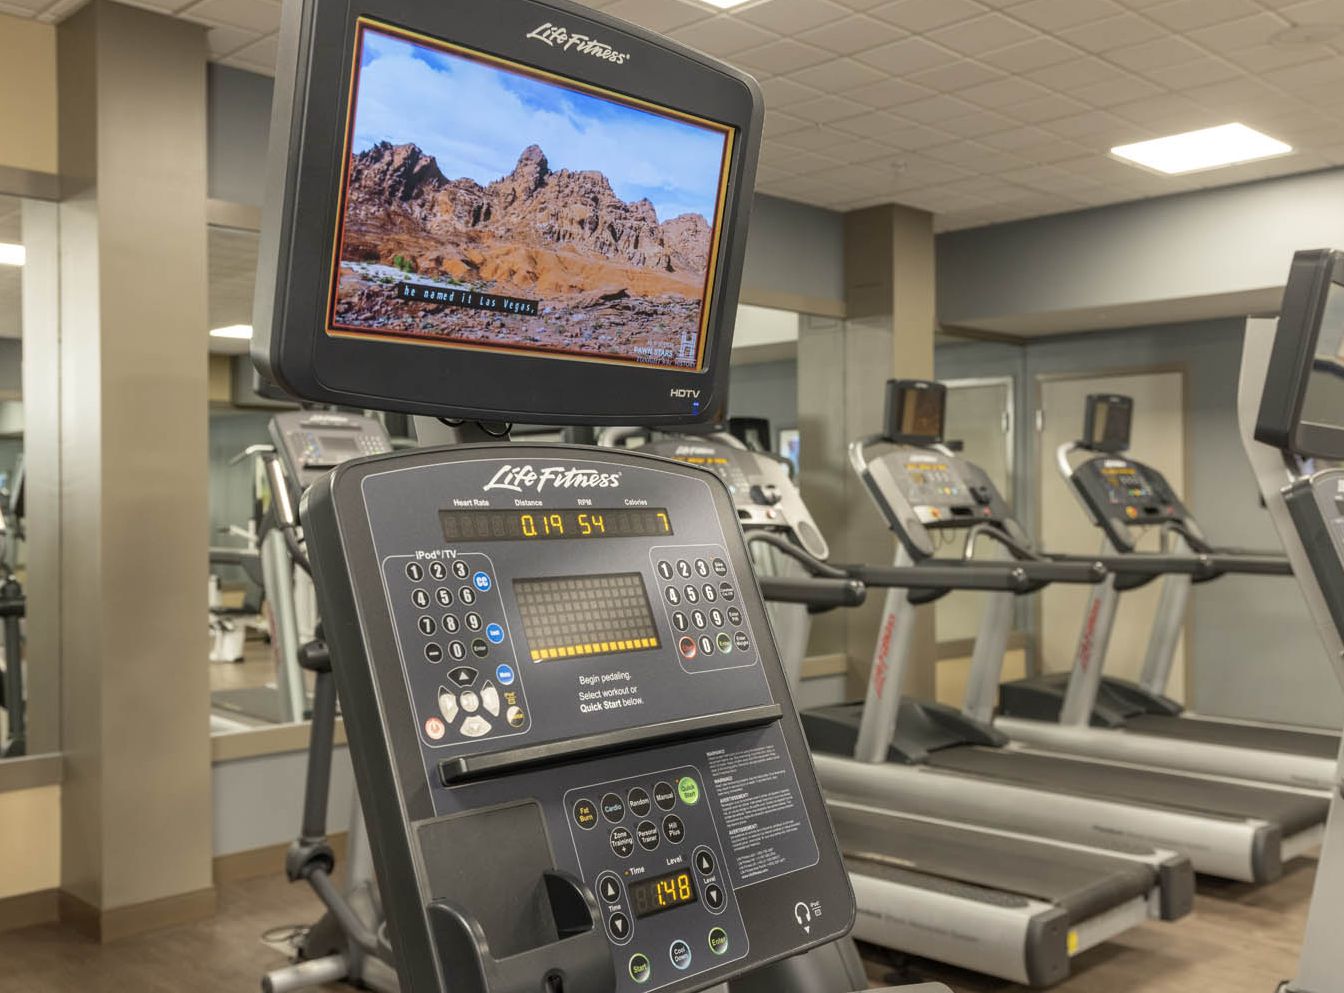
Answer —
639 967
689 791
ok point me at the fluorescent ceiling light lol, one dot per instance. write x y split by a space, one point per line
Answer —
1209 148
11 254
240 331
726 4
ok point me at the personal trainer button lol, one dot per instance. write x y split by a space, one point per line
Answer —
639 968
433 652
718 940
475 726
727 592
704 862
673 829
689 790
647 833
687 648
613 808
495 633
713 896
585 814
414 572
680 954
724 642
622 842
741 641
479 648
438 571
638 801
462 675
460 569
664 795
720 567
456 651
619 926
609 887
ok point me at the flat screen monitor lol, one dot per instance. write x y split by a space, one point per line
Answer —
1106 422
1302 408
537 215
915 411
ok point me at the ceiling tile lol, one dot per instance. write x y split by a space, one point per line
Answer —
837 76
827 108
1262 58
1197 72
226 41
962 153
782 56
1113 91
1315 12
1055 15
1075 73
783 90
935 109
778 123
1087 124
889 92
956 76
1169 113
260 53
851 34
1234 35
1186 15
817 139
926 15
907 56
1112 32
659 15
1028 55
1045 108
982 34
1165 51
914 137
1017 137
722 35
251 15
1003 92
975 125
1321 73
789 17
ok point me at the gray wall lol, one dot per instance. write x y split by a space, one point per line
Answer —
239 121
259 801
1252 653
766 389
231 431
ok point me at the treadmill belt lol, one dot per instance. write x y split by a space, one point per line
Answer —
1083 884
1285 740
1143 787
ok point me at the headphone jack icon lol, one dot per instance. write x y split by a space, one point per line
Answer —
802 913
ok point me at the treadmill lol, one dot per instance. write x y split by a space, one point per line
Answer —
994 901
932 760
1086 713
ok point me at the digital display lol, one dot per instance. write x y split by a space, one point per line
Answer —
547 525
653 896
338 442
1323 402
488 204
580 616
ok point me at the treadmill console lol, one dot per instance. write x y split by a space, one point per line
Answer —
1121 493
566 663
921 490
311 442
1316 504
763 492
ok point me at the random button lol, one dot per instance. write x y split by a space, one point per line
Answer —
718 940
585 814
664 795
673 829
622 842
613 808
680 954
647 833
638 801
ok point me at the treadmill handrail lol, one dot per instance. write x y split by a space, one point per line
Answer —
821 593
1145 563
943 575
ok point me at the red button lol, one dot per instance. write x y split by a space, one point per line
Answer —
687 646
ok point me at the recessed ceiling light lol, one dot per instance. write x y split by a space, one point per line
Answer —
11 254
726 4
239 331
1208 148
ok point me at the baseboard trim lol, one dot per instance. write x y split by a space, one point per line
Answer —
27 909
137 918
268 861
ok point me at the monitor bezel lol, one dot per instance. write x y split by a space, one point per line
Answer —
1092 404
1279 421
895 391
291 344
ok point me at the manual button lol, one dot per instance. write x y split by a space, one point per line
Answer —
664 795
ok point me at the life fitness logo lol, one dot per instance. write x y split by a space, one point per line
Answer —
517 479
558 37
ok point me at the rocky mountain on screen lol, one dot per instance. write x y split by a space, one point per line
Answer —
533 231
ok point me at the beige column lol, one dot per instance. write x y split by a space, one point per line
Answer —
842 368
136 801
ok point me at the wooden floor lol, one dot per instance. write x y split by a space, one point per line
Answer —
1239 940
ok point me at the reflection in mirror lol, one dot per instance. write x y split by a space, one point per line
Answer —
15 712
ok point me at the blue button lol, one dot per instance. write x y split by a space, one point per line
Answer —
495 633
504 673
481 581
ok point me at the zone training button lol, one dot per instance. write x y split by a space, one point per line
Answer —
414 572
639 968
585 814
680 954
647 833
673 829
460 569
718 940
622 842
482 582
638 801
433 652
495 633
689 790
613 808
664 795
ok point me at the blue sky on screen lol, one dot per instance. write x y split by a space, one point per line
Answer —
476 120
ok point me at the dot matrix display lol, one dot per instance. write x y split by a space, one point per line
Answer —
575 616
